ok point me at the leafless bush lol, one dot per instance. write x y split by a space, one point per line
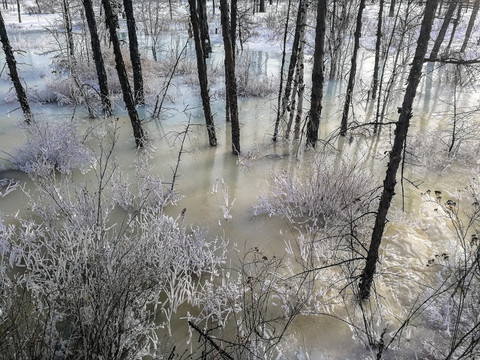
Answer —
248 315
52 146
98 285
436 151
327 195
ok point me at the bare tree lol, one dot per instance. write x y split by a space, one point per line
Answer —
378 45
97 56
455 21
202 72
12 67
443 30
205 36
280 90
122 75
471 22
299 27
395 156
134 53
230 81
299 86
67 21
317 76
353 70
19 12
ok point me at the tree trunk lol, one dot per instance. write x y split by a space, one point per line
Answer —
262 6
12 67
233 24
202 73
401 130
299 27
456 21
378 45
122 76
138 91
298 82
471 23
19 12
301 87
230 82
391 12
353 70
97 56
233 35
317 76
443 30
280 89
204 33
68 29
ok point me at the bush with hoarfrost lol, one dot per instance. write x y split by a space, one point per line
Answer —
256 301
452 303
93 280
328 195
52 146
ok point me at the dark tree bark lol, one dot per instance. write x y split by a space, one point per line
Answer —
138 91
391 12
19 12
202 73
122 76
262 6
456 21
230 81
280 89
353 70
471 22
443 30
378 45
204 33
97 56
233 24
233 35
401 131
68 29
317 76
301 14
12 67
298 89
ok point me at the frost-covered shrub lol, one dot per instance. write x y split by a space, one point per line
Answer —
327 195
438 150
52 146
101 281
452 303
251 80
261 298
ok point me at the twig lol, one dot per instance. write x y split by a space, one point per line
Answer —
180 152
158 108
222 352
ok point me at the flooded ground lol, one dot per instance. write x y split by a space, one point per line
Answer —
219 190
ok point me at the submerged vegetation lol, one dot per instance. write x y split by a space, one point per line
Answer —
102 256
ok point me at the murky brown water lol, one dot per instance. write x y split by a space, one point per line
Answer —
210 176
